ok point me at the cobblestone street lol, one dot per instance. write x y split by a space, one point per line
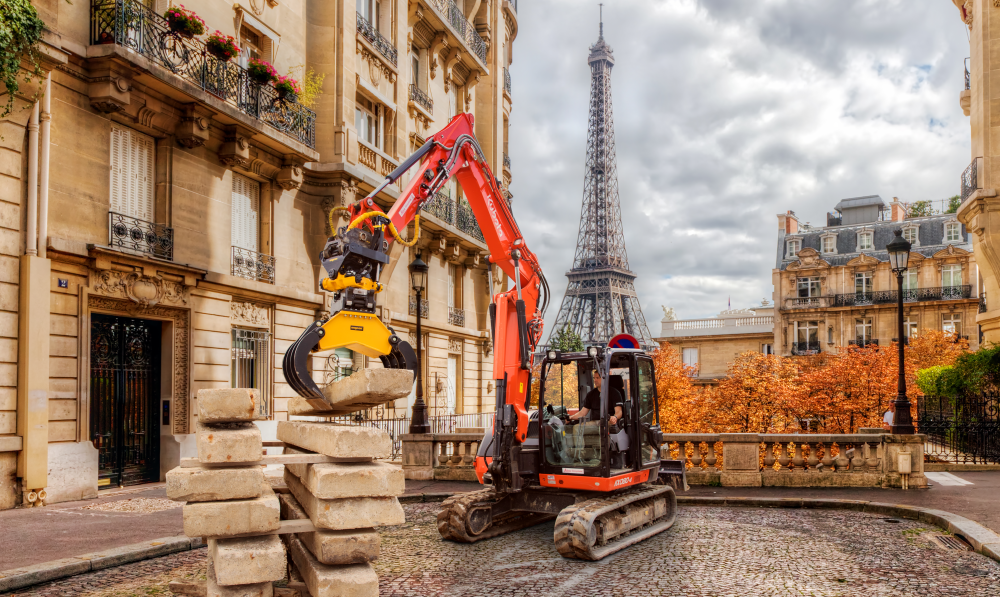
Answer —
717 552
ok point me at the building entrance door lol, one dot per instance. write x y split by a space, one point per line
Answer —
124 395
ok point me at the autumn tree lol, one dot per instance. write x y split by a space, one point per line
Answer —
847 391
932 348
682 408
757 396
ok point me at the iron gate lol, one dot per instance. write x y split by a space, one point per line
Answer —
124 395
965 429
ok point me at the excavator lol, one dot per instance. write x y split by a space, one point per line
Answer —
606 484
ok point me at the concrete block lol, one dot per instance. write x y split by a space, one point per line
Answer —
364 389
337 441
357 580
355 546
348 513
264 589
214 485
248 560
229 405
229 442
235 517
348 479
301 407
72 471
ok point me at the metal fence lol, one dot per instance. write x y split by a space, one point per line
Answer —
383 45
881 297
140 237
251 364
421 97
970 180
253 265
961 430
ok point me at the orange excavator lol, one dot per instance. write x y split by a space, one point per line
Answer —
588 453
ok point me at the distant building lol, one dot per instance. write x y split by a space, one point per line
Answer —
833 286
711 344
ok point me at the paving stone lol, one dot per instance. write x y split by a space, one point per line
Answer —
348 513
228 443
333 547
355 580
234 517
344 480
229 405
248 560
336 441
214 484
364 389
264 589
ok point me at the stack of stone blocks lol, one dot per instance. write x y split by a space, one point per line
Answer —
333 480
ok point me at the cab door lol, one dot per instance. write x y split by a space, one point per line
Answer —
646 407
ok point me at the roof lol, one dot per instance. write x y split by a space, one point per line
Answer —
860 202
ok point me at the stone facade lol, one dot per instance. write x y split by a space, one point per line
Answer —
833 286
195 151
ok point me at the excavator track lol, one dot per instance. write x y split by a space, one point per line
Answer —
455 520
597 528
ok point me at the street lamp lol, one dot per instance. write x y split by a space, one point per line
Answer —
899 257
418 280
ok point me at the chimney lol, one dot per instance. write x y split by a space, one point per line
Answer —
788 222
898 210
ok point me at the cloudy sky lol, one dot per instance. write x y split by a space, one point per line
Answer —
728 112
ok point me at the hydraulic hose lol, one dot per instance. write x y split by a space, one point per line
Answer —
367 216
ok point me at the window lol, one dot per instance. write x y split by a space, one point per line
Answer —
452 389
251 365
647 409
370 10
766 349
807 335
951 275
952 232
368 121
910 279
690 357
415 68
910 327
952 322
808 287
250 46
792 247
452 101
863 282
863 330
564 388
131 174
910 234
246 213
829 244
864 241
829 335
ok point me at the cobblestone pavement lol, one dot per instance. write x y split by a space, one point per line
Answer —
717 552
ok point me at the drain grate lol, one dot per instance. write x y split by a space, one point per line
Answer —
951 542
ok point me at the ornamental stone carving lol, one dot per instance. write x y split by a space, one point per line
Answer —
194 129
144 291
242 313
376 68
235 149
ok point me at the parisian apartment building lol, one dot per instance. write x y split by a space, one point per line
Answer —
161 217
833 286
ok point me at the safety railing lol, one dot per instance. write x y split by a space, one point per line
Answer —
421 98
805 348
806 302
454 16
131 24
253 265
140 237
882 297
383 45
456 451
456 316
970 179
506 81
465 221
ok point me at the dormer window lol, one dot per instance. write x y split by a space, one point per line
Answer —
828 244
910 234
865 242
952 232
792 247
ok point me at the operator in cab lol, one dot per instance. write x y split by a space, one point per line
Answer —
592 402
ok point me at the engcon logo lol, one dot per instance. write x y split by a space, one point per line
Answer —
357 328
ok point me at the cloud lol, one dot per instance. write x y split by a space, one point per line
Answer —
727 113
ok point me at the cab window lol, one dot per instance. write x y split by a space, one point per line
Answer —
646 385
564 389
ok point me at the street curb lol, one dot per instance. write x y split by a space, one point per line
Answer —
982 539
26 576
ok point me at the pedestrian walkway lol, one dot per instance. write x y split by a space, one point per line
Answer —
947 479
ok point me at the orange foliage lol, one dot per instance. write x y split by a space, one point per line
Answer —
682 408
757 396
840 393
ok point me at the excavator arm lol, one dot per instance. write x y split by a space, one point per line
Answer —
356 256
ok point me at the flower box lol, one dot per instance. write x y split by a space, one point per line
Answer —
222 46
184 22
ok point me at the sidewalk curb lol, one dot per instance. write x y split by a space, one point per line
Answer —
982 539
26 576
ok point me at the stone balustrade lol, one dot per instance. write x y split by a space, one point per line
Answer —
797 460
441 456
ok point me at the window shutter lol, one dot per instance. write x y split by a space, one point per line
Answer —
267 48
131 174
161 6
118 162
246 210
143 165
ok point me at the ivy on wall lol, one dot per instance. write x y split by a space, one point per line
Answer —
20 30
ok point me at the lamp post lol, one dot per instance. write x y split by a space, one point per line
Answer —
418 280
899 256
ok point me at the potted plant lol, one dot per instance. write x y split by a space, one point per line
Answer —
287 88
184 22
261 71
222 46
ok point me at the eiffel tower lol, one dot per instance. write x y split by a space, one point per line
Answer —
600 299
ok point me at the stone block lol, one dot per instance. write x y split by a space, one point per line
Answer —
348 513
336 480
229 405
235 517
248 560
364 389
337 441
354 546
264 589
229 442
357 580
301 407
214 485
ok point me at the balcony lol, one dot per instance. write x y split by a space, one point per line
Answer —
130 24
506 81
383 45
970 179
807 302
889 297
506 162
373 159
139 237
252 265
982 303
805 348
421 98
968 75
862 342
452 15
456 316
458 214
424 309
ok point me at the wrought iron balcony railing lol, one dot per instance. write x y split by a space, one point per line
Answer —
805 348
465 221
383 45
506 161
130 24
421 98
506 81
441 206
982 303
968 76
458 214
456 316
253 265
140 237
466 31
862 342
970 180
883 297
424 309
